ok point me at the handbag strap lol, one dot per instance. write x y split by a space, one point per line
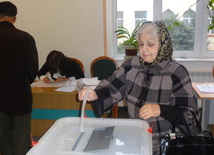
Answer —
198 125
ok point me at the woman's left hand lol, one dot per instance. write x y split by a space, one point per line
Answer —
149 110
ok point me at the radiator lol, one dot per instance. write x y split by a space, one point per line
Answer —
201 76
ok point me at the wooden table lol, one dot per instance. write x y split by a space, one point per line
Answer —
50 105
207 106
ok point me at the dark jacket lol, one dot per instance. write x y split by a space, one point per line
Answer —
19 67
66 67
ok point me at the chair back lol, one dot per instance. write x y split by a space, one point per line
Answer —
80 63
102 67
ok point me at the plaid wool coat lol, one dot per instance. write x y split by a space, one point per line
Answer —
167 84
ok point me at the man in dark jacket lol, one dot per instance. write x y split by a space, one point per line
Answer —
19 67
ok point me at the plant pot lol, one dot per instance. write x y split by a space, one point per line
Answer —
131 52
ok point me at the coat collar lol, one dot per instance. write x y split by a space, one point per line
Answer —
6 24
157 68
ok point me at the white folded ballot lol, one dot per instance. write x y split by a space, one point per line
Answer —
79 84
87 82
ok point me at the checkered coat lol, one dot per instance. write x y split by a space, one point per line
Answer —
167 83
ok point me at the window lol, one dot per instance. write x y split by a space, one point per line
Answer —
120 18
133 12
210 38
184 34
190 39
140 16
189 18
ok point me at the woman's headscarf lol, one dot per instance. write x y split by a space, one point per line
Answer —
165 43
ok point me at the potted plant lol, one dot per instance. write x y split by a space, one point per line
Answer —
129 43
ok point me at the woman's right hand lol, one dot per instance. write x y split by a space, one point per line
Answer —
91 96
46 80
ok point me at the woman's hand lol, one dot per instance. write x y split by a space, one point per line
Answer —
60 79
149 110
91 96
46 80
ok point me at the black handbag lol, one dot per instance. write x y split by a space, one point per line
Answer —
201 143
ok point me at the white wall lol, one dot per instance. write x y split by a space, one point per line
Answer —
74 27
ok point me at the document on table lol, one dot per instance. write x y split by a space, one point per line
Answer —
206 88
51 84
70 82
66 89
84 82
69 85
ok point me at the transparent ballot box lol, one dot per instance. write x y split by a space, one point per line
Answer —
99 136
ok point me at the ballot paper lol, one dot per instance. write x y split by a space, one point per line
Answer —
206 88
87 82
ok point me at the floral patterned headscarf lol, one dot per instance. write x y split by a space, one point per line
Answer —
165 50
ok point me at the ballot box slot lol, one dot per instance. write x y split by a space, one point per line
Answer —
100 139
77 141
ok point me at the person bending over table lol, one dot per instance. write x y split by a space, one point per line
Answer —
60 68
157 89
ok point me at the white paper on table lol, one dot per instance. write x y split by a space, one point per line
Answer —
206 88
51 84
87 82
66 89
69 85
70 82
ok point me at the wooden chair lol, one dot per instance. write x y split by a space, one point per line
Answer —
80 63
102 67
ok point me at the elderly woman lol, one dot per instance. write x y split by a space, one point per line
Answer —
157 89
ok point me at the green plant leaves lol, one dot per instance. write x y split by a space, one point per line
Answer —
210 7
123 32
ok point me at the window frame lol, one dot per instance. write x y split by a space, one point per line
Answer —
120 19
201 33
